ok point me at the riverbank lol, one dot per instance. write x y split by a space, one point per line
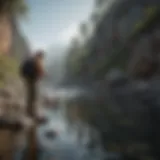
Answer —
14 123
12 113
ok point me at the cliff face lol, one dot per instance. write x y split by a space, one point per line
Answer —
11 40
19 46
5 34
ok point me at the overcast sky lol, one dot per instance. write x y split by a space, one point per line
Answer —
54 22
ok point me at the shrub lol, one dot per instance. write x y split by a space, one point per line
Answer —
8 69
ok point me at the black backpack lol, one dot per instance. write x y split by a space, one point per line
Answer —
28 69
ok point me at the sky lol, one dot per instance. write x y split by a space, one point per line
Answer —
54 22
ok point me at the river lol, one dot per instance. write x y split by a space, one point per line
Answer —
66 145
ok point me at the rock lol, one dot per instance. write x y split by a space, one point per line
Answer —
20 138
40 115
50 102
50 134
6 93
6 141
13 112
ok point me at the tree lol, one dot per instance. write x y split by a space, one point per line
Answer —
72 55
100 3
84 30
75 43
94 18
13 7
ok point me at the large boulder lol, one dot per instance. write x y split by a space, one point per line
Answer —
14 122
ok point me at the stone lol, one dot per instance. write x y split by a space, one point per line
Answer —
50 134
6 93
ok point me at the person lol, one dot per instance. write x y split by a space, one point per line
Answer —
32 70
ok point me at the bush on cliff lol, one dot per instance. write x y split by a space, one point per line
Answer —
8 69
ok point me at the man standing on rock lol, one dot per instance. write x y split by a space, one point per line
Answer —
32 70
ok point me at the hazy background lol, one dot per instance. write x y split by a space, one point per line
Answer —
52 23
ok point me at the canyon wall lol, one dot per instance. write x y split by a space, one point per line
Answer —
12 41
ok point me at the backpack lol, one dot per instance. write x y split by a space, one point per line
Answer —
29 70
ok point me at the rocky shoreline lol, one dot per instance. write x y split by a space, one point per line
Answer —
14 122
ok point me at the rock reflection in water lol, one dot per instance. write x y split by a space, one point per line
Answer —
64 146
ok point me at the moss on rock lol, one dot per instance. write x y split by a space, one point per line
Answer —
8 69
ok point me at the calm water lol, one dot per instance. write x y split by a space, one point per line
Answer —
65 146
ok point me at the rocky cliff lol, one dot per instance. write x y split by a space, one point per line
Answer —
5 34
19 45
12 41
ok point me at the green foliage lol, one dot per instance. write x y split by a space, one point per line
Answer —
84 29
105 117
77 53
152 14
8 69
13 7
119 58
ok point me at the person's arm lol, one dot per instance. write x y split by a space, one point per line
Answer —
40 67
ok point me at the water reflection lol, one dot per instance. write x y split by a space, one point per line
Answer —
65 145
72 141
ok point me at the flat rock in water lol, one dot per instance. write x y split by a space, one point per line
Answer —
51 135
